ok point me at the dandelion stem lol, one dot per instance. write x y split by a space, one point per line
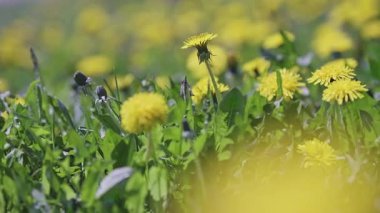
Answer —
199 171
214 84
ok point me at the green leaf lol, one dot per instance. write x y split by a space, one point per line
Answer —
158 183
136 190
374 67
233 103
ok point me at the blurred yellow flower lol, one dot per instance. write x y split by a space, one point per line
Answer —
343 91
143 111
290 84
276 40
92 19
3 85
149 23
334 70
355 12
317 153
307 10
219 63
203 87
329 39
256 67
52 36
13 45
371 30
123 81
162 82
95 65
234 31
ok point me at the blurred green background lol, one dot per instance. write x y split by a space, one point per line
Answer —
143 38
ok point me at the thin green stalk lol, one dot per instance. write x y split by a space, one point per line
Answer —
214 84
199 172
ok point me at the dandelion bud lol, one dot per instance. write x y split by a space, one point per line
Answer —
102 93
186 130
81 79
185 88
232 64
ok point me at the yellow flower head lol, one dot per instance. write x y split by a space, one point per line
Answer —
122 81
200 42
143 111
219 63
276 40
343 91
203 86
329 39
290 84
3 85
95 65
334 70
317 153
256 67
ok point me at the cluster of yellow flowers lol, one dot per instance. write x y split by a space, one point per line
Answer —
338 76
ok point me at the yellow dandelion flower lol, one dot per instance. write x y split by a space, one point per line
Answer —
329 39
290 84
3 85
203 86
162 82
276 40
123 82
200 42
219 63
343 91
317 153
371 30
256 67
95 65
143 111
334 70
